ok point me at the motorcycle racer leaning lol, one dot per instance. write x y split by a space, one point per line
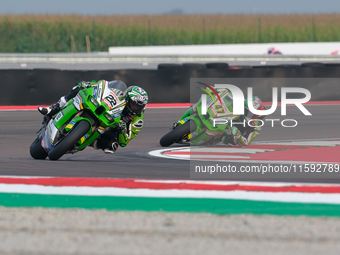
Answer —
241 133
131 121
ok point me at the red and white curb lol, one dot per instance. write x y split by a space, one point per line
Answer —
256 191
317 151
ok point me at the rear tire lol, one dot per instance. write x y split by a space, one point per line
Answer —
176 134
37 151
70 140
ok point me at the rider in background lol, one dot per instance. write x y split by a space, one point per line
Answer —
244 134
237 134
131 119
273 51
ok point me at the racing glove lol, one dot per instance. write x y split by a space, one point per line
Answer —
122 126
84 84
241 140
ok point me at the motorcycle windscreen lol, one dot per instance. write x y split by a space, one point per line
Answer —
117 85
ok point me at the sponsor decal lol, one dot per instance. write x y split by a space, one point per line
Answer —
95 89
59 116
52 131
77 102
138 124
116 111
99 94
117 115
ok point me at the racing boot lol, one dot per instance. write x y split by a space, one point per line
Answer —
50 111
107 142
106 146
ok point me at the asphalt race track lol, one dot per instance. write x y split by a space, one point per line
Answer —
18 130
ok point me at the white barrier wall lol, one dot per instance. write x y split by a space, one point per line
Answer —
319 48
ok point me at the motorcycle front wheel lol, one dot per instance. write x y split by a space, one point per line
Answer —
70 140
177 134
37 151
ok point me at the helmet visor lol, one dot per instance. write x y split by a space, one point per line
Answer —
249 115
136 107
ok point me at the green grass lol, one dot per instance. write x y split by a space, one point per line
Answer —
35 34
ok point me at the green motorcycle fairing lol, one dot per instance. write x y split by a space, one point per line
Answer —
206 132
100 105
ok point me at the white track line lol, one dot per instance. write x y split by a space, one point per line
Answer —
295 197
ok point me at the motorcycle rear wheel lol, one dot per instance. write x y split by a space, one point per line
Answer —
176 134
37 151
69 141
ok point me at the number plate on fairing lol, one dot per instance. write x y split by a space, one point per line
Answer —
110 99
59 116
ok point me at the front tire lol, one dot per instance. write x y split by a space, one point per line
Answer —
37 151
70 140
176 134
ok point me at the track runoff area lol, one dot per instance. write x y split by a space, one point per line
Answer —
220 197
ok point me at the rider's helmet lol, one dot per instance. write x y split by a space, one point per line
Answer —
136 100
258 105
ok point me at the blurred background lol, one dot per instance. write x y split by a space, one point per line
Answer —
45 26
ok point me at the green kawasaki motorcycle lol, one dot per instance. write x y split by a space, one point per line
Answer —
203 129
81 121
